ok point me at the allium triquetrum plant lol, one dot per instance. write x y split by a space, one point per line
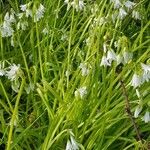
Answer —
75 74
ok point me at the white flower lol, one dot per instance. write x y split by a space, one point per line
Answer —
111 56
117 3
81 92
84 69
39 13
137 111
9 18
119 59
72 144
136 80
66 1
129 4
45 31
81 4
146 117
29 13
22 25
127 56
69 145
146 77
136 15
146 68
122 13
78 5
15 84
23 7
2 72
105 62
6 29
12 74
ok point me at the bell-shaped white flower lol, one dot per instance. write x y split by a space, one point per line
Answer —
39 13
146 117
84 69
111 56
81 92
12 74
2 72
23 7
122 13
137 111
105 62
78 5
127 56
136 15
116 3
136 80
119 59
146 68
129 4
72 144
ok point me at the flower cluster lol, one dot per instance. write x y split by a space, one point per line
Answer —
81 92
77 5
84 69
11 18
139 79
109 56
6 28
123 9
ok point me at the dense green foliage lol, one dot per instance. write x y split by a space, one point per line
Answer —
44 106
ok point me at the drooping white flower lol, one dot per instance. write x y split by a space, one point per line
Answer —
22 25
111 56
146 77
45 31
39 13
29 13
23 7
136 15
2 72
12 74
119 59
6 29
146 68
78 5
81 92
129 4
69 145
137 111
116 3
72 144
136 80
122 13
146 117
127 56
15 84
84 69
105 62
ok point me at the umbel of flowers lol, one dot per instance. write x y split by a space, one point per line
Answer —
21 19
